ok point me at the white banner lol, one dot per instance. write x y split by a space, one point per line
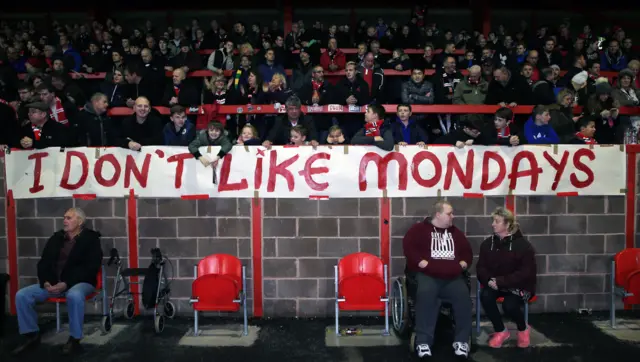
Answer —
303 172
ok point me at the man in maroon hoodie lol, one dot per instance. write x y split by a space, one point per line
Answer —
439 253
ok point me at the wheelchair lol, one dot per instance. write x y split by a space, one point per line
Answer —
403 312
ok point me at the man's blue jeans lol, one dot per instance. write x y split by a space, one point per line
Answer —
27 297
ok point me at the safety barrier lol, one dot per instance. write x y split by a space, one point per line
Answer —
262 217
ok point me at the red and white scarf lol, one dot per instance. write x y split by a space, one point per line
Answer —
372 129
585 139
58 114
37 132
504 132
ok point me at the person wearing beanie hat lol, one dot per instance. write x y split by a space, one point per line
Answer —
605 109
624 91
212 136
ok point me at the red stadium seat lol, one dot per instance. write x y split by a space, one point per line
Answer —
220 285
98 294
479 287
625 280
361 283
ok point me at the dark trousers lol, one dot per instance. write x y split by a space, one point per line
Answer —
511 306
431 293
4 278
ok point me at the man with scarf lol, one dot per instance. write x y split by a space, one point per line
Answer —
373 132
317 93
179 92
41 131
445 82
60 111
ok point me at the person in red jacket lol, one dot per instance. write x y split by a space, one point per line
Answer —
506 268
439 253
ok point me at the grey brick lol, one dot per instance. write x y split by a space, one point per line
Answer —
419 206
280 268
244 248
165 228
318 227
315 307
566 263
359 227
145 245
28 266
533 225
567 224
220 207
550 284
316 268
371 246
547 205
147 207
185 267
244 207
475 242
522 205
269 247
586 205
209 246
297 207
493 202
297 288
337 247
96 207
296 247
477 225
564 302
27 247
53 207
278 227
270 207
179 248
339 207
177 208
230 227
549 244
111 227
397 207
615 205
119 208
279 307
326 288
197 227
370 207
470 206
400 225
601 301
585 283
35 227
460 223
614 243
585 244
598 263
605 224
397 266
396 247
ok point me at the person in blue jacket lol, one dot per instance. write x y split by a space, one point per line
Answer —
405 130
179 132
537 129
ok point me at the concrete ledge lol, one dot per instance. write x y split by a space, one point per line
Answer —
371 336
627 330
92 334
228 335
486 329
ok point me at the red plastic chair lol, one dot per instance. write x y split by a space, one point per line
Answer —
220 285
99 293
479 287
625 280
361 283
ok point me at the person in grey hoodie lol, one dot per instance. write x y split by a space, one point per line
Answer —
212 136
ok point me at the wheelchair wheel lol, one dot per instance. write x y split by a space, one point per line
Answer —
169 310
400 309
129 311
158 323
105 324
412 343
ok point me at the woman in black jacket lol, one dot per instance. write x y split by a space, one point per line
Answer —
506 269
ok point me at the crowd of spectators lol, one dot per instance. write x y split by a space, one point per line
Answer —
50 94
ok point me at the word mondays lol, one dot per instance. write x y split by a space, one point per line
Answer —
302 172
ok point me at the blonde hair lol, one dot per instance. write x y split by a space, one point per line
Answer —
508 218
438 207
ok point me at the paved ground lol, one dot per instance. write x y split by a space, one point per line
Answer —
569 338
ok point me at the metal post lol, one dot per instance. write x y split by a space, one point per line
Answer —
195 311
478 306
386 303
245 330
103 292
612 301
526 313
335 281
58 328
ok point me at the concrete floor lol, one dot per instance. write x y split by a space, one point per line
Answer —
561 337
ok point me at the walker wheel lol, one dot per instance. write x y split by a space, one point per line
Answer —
169 310
158 323
412 342
129 311
105 325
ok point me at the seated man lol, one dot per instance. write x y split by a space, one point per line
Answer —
506 268
374 132
439 252
68 268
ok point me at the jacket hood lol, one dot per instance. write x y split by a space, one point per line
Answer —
495 239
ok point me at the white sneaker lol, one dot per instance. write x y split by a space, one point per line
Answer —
461 349
423 350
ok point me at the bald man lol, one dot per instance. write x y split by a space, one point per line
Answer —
68 268
180 91
143 127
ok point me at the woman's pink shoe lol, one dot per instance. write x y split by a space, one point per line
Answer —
498 338
524 338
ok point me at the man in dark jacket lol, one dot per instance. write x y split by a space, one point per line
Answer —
41 131
508 89
506 269
180 132
280 133
374 132
438 253
94 127
353 91
68 268
405 129
143 128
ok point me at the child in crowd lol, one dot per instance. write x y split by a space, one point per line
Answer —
249 136
587 130
298 136
537 129
373 132
503 131
212 136
179 132
335 136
